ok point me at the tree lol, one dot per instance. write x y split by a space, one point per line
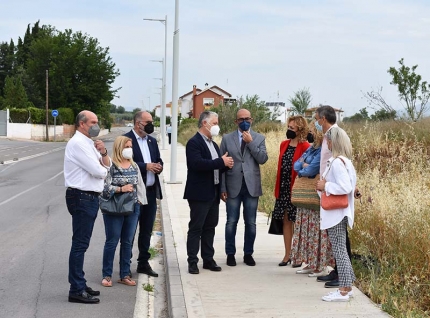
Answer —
414 92
14 93
120 110
360 116
382 115
113 108
300 101
136 110
376 101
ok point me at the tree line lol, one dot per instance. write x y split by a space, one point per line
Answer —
80 71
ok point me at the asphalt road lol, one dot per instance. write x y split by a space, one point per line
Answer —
35 238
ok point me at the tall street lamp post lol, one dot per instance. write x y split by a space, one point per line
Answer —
163 97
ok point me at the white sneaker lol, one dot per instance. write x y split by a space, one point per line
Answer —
336 296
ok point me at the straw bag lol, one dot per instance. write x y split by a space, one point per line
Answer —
304 194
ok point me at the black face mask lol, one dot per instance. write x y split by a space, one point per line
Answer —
310 137
149 128
291 134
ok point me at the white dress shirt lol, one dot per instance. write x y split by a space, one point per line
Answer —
83 167
214 155
340 178
146 154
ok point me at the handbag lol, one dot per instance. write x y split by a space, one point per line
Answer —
276 226
120 203
334 201
304 195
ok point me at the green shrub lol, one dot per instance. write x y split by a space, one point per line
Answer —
65 116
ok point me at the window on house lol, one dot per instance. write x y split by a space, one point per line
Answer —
208 101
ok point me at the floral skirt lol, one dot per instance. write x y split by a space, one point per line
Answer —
310 244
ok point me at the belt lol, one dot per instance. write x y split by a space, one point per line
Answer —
89 192
151 188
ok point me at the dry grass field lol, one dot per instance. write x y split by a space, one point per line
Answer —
391 234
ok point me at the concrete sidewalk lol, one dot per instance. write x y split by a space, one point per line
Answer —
265 290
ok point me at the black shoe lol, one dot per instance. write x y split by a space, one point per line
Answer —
296 265
332 284
249 260
92 292
146 270
285 263
231 260
212 266
83 298
192 268
328 278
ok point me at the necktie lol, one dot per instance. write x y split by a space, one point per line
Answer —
242 146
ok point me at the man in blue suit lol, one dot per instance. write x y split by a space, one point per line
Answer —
202 190
147 156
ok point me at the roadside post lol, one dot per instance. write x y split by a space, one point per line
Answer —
55 114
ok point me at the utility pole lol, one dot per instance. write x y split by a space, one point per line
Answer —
174 120
47 117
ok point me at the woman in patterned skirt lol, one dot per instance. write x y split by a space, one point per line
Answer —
290 150
310 244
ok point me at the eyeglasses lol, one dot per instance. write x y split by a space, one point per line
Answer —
240 120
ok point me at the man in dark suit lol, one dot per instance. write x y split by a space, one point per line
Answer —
242 184
147 156
202 190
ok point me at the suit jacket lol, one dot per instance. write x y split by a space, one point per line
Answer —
200 184
246 165
300 149
155 157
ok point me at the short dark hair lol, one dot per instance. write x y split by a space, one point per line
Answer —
328 113
80 117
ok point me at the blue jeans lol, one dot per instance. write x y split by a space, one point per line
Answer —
116 228
250 205
83 207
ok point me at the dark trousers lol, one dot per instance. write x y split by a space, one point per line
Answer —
201 229
348 249
146 223
83 207
170 137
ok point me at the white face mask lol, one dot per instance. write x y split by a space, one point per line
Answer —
214 130
127 153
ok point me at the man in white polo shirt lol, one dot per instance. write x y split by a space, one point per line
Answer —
86 164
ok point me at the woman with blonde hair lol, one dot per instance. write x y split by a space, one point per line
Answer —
339 178
124 176
290 151
310 244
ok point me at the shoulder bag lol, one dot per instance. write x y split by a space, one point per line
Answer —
120 203
334 201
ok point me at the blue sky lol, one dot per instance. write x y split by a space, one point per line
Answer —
335 48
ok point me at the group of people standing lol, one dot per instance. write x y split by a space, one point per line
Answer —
231 173
316 237
91 175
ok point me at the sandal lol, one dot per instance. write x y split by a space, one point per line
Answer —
127 281
107 281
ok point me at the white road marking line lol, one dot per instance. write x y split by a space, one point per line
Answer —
32 188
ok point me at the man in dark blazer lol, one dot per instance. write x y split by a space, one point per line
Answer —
202 190
147 156
242 184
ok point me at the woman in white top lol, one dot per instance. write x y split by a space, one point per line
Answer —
339 178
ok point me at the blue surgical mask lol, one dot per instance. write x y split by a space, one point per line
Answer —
244 126
318 126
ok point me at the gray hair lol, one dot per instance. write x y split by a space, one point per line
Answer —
328 113
205 116
80 117
340 142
